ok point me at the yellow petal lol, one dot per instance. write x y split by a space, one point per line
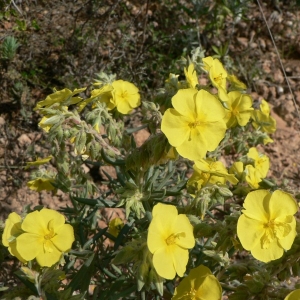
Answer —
12 228
161 226
210 135
64 238
184 103
182 224
282 204
209 108
29 245
294 295
180 259
257 205
287 242
274 251
249 232
195 146
48 259
163 263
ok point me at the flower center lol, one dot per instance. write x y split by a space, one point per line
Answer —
194 124
235 112
49 235
275 230
124 95
218 79
191 295
173 237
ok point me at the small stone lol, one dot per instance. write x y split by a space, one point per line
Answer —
2 121
278 77
24 140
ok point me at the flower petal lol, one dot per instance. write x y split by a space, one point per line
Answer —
194 147
161 226
29 245
12 228
282 204
182 224
180 258
274 251
249 232
163 263
209 108
64 238
47 259
294 295
34 223
210 289
175 127
210 134
257 205
184 102
58 220
287 242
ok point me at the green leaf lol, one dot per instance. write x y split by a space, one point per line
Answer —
83 277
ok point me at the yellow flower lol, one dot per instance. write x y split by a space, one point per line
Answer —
199 284
236 83
191 76
264 107
267 140
11 231
217 75
267 226
294 295
38 162
114 226
44 126
215 168
200 179
169 237
195 125
45 237
63 97
40 184
103 94
262 119
253 176
126 96
237 169
240 109
261 161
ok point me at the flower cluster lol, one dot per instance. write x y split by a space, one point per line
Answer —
41 235
184 217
